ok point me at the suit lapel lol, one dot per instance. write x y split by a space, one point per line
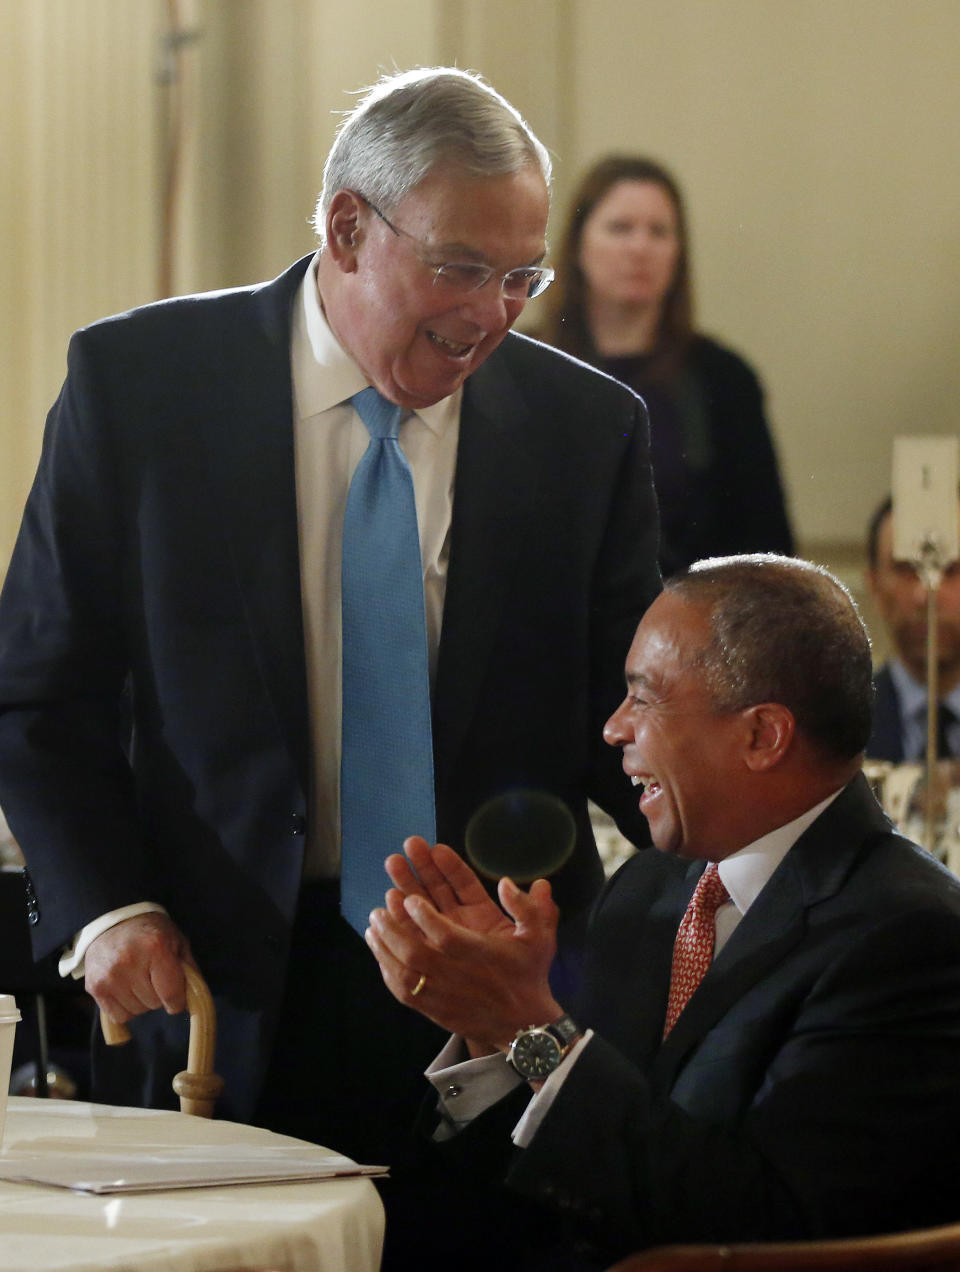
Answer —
249 432
815 868
770 929
494 494
643 961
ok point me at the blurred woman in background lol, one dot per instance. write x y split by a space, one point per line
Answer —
622 302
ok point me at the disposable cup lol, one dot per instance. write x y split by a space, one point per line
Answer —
8 1026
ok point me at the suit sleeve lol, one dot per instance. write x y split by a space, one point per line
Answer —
65 782
847 1126
627 580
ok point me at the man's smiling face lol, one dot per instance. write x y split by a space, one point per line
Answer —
415 341
687 757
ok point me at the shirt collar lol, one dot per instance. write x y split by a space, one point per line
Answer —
324 374
913 696
746 872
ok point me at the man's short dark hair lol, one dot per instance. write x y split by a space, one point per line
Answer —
784 630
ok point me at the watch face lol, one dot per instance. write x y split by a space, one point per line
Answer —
536 1054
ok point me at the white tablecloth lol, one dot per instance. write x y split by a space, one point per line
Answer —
331 1225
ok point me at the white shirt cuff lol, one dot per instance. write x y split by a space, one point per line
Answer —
465 1088
71 961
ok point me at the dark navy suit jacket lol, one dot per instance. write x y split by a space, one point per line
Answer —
808 1089
156 579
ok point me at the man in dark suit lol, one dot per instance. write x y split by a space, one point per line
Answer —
170 624
777 1063
900 597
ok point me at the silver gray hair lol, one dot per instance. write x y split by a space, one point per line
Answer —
408 123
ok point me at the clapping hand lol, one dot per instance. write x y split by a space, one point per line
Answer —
443 878
446 948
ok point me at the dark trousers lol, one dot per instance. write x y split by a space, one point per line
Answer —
347 1068
347 1072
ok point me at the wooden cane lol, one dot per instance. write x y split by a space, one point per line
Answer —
197 1086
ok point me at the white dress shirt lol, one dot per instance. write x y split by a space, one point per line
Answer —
466 1087
329 439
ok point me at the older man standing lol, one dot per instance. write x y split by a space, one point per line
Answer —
235 488
768 1035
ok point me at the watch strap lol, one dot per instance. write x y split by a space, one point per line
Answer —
566 1031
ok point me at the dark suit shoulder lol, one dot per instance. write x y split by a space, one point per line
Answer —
200 312
561 375
167 366
895 875
851 870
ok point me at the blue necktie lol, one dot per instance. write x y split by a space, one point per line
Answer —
386 770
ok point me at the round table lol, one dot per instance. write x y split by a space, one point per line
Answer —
329 1225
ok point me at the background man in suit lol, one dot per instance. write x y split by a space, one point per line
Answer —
900 710
782 1066
170 634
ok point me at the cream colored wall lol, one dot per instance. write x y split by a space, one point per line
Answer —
78 202
817 144
278 72
81 117
815 140
276 75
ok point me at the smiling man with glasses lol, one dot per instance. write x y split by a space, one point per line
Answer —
425 273
194 564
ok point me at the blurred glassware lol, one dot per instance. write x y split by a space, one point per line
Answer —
60 1085
901 790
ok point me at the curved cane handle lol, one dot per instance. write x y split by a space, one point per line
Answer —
114 1034
197 1086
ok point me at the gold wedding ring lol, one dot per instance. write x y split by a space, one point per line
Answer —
419 985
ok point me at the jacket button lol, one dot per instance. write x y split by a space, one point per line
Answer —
33 915
274 942
298 824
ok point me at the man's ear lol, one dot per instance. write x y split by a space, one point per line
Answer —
771 728
343 230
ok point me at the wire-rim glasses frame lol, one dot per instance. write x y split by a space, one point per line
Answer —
523 283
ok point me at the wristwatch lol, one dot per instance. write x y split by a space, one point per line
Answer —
538 1050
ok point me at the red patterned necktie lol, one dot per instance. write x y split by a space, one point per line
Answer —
693 948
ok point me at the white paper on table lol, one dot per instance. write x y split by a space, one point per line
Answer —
177 1168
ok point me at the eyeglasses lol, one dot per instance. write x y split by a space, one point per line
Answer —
523 283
